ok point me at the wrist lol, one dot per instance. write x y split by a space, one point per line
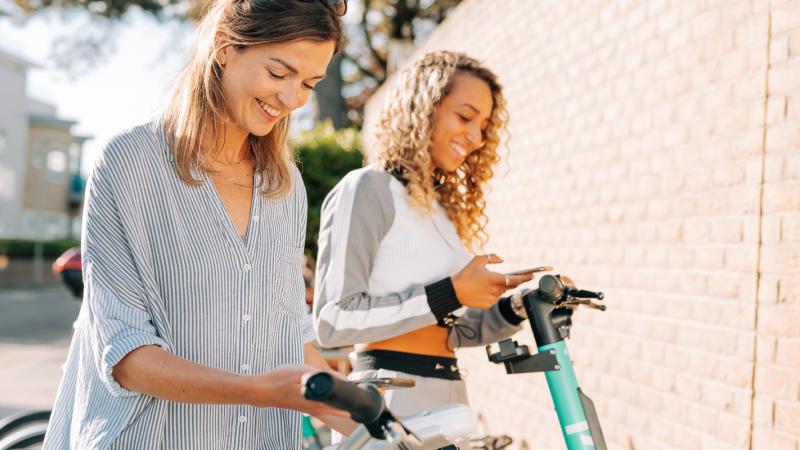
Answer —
252 390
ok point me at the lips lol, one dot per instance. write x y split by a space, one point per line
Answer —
459 149
270 112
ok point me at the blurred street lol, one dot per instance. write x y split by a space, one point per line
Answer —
35 330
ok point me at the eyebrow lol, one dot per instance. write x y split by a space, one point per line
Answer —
469 105
293 70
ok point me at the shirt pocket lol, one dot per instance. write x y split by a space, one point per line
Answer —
290 286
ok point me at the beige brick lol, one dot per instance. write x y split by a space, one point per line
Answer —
793 44
767 439
785 19
710 258
782 137
741 258
787 416
784 257
783 78
789 290
733 430
768 289
776 110
763 411
784 197
779 50
765 349
788 353
771 230
773 168
777 382
724 285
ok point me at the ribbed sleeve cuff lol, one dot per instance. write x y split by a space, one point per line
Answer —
442 298
504 306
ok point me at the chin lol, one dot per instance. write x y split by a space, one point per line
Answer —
261 129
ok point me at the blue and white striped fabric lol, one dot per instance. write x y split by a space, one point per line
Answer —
163 265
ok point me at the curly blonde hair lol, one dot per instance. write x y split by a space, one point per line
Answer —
404 134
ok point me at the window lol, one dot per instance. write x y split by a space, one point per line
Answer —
56 164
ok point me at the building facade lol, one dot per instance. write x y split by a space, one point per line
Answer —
40 184
654 154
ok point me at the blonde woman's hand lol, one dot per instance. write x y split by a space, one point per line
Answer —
478 287
282 388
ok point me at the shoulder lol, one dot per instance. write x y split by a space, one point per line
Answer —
125 153
367 181
363 193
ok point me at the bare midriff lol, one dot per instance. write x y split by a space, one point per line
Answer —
430 340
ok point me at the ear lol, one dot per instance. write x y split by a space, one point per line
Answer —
222 55
222 49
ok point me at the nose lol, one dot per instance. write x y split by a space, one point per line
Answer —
475 136
291 98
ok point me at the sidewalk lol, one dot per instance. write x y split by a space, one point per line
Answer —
35 331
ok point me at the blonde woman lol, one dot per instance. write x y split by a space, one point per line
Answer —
394 274
192 332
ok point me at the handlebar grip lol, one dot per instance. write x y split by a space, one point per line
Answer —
365 404
580 293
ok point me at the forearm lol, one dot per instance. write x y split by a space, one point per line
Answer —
362 317
152 371
485 326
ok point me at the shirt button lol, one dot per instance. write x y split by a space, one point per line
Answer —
245 317
245 367
242 419
255 218
246 267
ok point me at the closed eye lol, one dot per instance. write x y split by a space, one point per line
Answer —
276 76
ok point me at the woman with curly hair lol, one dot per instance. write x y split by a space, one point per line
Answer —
395 275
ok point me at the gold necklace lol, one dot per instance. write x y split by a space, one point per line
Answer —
246 154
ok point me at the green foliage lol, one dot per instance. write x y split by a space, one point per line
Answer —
15 248
325 155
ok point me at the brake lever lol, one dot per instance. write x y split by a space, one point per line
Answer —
402 436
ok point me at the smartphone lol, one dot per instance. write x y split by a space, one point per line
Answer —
532 270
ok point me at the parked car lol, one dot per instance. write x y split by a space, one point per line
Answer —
68 267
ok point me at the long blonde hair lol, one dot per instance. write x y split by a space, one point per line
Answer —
198 105
404 135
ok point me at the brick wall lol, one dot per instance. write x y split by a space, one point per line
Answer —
653 156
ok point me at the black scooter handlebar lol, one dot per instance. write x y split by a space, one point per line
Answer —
364 403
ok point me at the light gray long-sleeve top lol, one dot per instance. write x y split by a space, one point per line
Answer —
384 268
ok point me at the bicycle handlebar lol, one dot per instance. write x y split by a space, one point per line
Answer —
365 404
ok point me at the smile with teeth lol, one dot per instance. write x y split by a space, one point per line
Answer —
267 109
459 149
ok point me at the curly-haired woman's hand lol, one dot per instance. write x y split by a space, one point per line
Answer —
478 287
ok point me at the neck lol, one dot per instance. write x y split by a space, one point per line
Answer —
230 146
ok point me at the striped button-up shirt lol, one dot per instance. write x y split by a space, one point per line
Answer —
164 265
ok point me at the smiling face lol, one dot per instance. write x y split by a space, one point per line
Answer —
263 83
461 117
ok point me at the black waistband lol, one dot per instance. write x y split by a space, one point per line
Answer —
413 363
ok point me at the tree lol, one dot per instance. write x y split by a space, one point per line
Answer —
324 156
384 29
